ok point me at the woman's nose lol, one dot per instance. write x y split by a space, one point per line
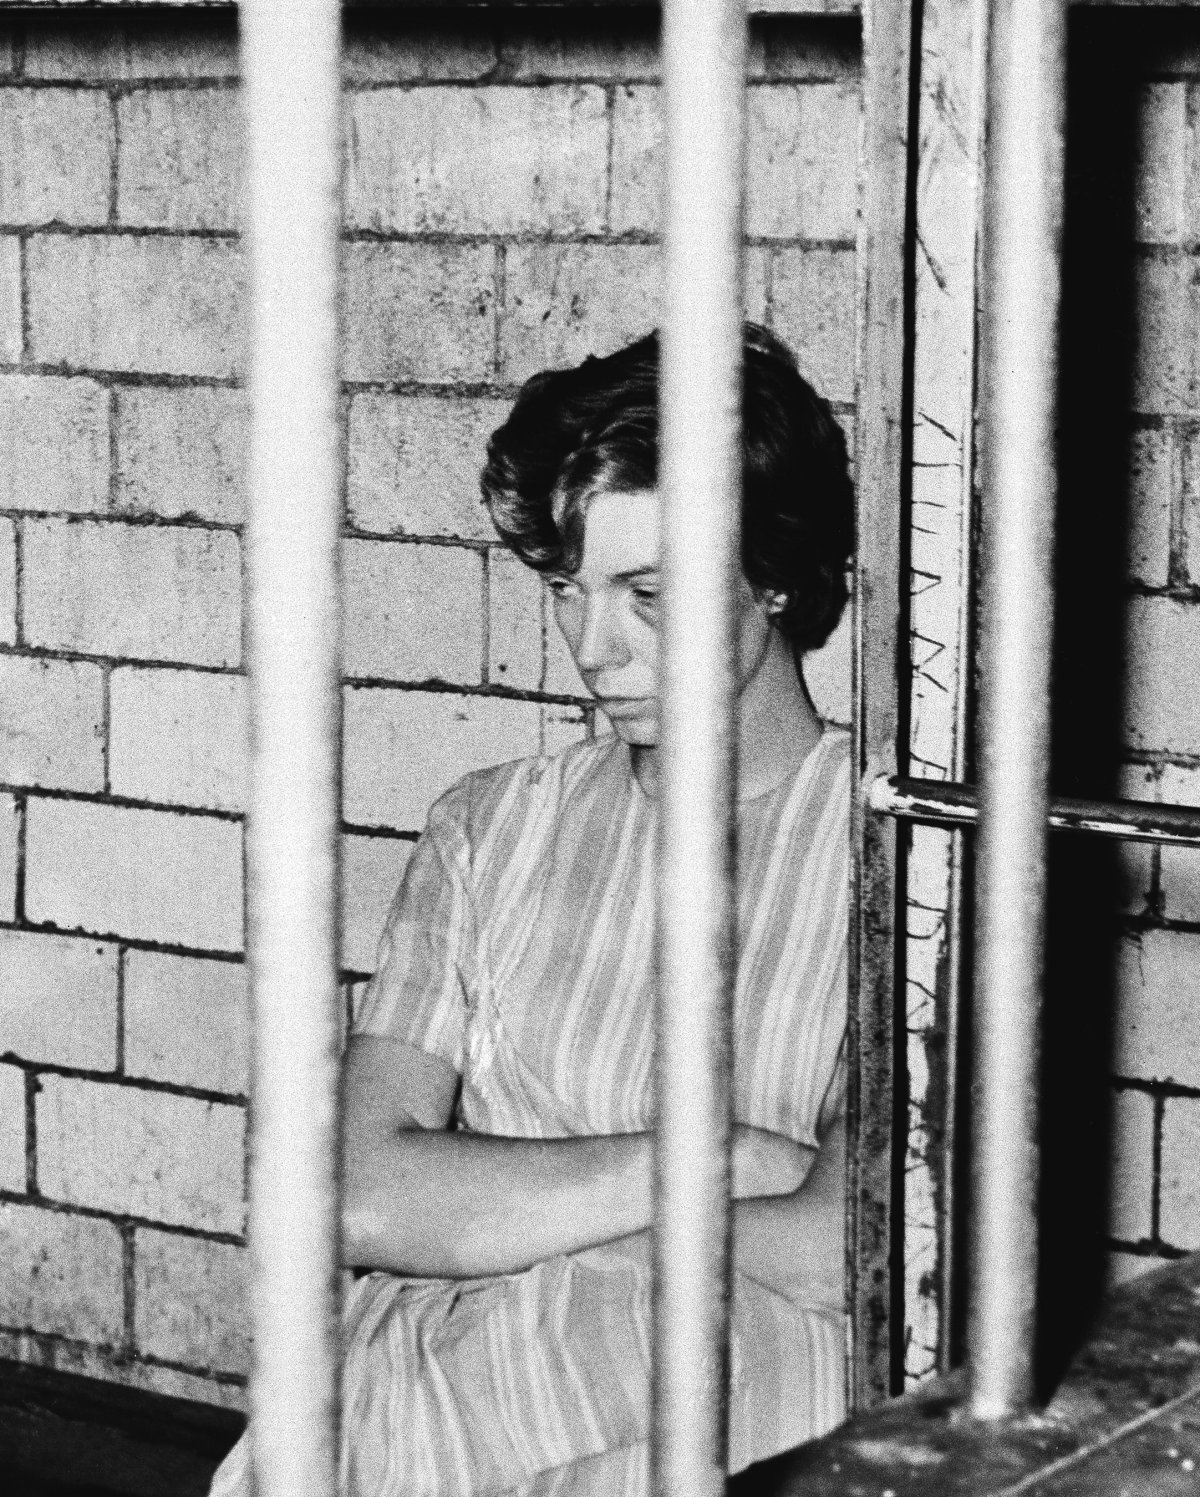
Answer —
602 643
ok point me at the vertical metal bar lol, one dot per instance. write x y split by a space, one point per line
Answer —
704 48
1022 260
292 81
873 1216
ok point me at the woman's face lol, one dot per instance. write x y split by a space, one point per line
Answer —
608 612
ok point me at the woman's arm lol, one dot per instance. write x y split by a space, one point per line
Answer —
419 1199
795 1243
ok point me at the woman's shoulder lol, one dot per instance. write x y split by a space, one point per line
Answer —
835 742
821 784
828 798
834 770
808 814
530 788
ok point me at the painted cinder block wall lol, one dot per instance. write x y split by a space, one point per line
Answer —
500 217
1156 1200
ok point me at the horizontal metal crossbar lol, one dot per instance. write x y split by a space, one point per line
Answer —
948 803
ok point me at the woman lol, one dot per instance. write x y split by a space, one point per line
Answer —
498 1080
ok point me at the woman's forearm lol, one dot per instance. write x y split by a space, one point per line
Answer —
786 1244
462 1205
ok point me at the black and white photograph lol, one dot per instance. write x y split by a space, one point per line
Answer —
599 748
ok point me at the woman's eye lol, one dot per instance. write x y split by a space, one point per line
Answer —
559 586
646 595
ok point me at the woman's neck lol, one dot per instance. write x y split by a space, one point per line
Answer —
778 726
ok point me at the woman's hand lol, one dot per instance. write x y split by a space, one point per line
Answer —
794 1240
767 1164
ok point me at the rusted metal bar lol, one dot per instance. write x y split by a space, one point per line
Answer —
1021 283
874 1204
947 803
291 67
703 53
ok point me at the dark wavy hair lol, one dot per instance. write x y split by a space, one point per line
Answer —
577 432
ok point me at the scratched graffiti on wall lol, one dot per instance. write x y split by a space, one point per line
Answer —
943 376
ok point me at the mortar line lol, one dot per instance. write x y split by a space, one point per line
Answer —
1159 1113
129 803
114 450
535 82
109 1352
54 229
128 1083
378 833
450 388
610 109
106 727
123 87
120 802
1154 1088
134 943
1160 1251
168 948
21 811
124 378
1181 464
500 304
53 652
345 398
486 616
127 1218
114 115
23 358
32 1088
19 582
769 288
122 952
245 620
127 1351
146 521
547 237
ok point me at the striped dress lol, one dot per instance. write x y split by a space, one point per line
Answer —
519 950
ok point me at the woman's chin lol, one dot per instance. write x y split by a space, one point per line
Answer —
636 732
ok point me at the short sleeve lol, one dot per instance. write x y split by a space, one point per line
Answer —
833 1104
421 993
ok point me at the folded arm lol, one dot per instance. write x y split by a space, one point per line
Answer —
795 1242
422 1200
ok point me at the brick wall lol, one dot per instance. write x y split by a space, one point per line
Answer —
500 213
1156 1201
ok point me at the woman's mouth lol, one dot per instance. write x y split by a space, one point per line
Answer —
625 706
